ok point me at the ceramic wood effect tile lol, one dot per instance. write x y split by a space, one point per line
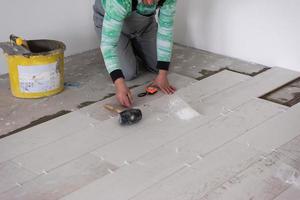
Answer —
194 181
161 157
229 127
240 93
13 176
274 176
292 193
62 151
53 130
265 179
121 185
42 134
149 170
274 133
162 117
61 181
142 142
210 86
95 135
290 152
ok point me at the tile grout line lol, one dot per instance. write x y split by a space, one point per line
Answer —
81 155
51 170
196 160
231 177
25 169
248 130
204 97
160 180
25 182
46 144
185 167
288 187
236 174
125 136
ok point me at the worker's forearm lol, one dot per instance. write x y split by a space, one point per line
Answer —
162 72
165 33
120 82
111 31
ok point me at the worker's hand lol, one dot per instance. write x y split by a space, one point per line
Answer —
161 81
123 93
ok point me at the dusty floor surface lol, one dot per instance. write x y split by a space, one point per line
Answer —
216 138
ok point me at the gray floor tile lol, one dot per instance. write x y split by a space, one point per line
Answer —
13 176
61 181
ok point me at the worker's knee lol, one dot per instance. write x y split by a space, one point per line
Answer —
129 67
129 74
152 66
129 78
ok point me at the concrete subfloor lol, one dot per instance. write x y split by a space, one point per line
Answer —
214 139
87 69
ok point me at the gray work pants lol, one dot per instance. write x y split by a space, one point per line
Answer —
137 43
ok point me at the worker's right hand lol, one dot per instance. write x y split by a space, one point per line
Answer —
123 93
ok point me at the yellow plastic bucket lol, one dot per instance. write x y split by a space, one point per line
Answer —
39 73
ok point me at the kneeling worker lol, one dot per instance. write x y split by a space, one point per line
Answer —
130 35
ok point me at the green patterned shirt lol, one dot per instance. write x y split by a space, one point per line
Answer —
115 13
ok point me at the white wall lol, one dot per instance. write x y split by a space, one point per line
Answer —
263 31
69 21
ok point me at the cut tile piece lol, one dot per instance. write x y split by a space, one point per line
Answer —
61 181
42 134
13 175
204 175
281 129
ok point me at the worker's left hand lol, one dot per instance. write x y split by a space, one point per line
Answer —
161 81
